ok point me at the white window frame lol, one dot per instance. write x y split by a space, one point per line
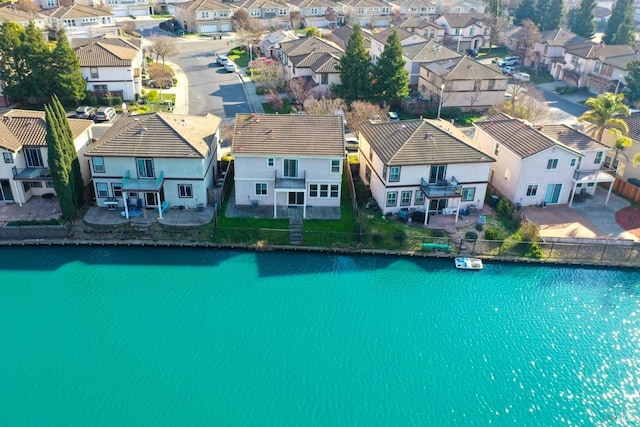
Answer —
335 165
552 164
392 199
102 190
98 165
261 189
532 190
185 191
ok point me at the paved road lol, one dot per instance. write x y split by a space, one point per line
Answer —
561 109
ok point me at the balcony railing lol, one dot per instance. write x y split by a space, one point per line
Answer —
289 182
593 175
441 189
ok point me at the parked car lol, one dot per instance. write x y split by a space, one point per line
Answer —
222 60
351 143
393 116
164 83
509 60
104 114
230 67
508 70
85 112
522 76
472 53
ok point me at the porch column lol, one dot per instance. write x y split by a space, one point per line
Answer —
159 205
606 201
458 210
126 205
275 213
17 193
304 207
573 193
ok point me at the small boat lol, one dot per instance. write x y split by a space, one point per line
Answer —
466 263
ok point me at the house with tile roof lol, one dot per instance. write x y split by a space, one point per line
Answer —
342 34
464 6
424 53
463 83
424 27
271 45
81 21
313 58
366 13
580 61
316 13
9 14
379 41
464 30
24 170
551 47
609 73
271 13
283 161
205 16
111 64
536 164
122 8
419 9
422 165
145 160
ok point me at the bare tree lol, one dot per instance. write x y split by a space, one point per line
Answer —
396 15
162 47
573 75
362 111
527 38
158 72
299 88
226 132
321 92
534 106
240 19
496 23
472 96
323 107
275 100
28 6
269 75
331 15
296 19
129 27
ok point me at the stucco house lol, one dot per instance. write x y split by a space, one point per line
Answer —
468 84
205 16
9 14
536 164
80 21
270 13
623 164
422 165
111 65
424 53
424 27
316 13
271 45
145 160
122 8
464 6
24 169
379 41
312 57
293 163
342 34
551 47
366 13
464 30
414 8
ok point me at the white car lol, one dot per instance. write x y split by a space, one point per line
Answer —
508 70
522 76
509 60
230 67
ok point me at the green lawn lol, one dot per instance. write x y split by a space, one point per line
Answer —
240 56
498 52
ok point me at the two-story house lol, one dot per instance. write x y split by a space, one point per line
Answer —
422 165
366 13
424 53
111 65
424 27
465 6
80 21
271 45
379 41
538 165
9 14
462 82
148 159
342 34
271 13
464 30
580 60
312 57
205 16
293 163
621 162
420 9
24 168
609 73
551 48
316 13
122 8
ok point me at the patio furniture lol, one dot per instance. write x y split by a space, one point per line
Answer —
164 206
111 203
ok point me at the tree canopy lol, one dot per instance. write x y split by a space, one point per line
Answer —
69 85
633 81
581 20
390 79
604 112
620 26
355 70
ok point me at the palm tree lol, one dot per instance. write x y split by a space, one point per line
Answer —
620 144
604 109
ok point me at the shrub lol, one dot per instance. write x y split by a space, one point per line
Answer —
535 251
479 227
399 235
260 90
470 236
437 233
505 209
528 232
491 233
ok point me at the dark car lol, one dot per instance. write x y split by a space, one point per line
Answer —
472 53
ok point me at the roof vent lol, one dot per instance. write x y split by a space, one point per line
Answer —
141 131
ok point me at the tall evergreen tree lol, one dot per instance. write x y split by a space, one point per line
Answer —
618 31
633 81
581 21
553 19
525 10
542 8
75 176
69 84
38 54
59 165
355 70
391 80
14 67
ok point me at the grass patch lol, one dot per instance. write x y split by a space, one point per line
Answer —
163 16
498 52
286 107
35 222
239 55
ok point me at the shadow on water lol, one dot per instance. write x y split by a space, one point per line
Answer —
52 258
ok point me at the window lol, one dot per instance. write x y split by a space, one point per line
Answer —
313 190
572 163
255 12
591 184
457 32
26 185
7 157
94 72
100 88
205 15
335 166
324 79
50 184
36 184
370 153
261 189
437 173
33 157
324 190
598 158
432 34
491 85
290 168
117 190
468 194
145 168
394 174
334 191
472 31
575 60
552 164
392 198
405 198
102 190
367 173
597 67
419 198
270 162
98 165
185 190
532 190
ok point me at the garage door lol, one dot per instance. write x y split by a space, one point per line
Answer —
225 27
139 12
209 28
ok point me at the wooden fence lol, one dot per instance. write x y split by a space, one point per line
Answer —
627 190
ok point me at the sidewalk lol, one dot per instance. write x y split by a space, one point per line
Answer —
255 101
181 89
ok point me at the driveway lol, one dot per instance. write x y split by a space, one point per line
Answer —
590 219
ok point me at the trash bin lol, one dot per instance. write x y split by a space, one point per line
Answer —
493 202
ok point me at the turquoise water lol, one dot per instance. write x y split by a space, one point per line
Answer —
148 336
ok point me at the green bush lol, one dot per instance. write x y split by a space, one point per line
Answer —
399 235
438 233
505 209
261 90
479 227
491 233
535 251
470 236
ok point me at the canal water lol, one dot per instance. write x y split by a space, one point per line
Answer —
155 336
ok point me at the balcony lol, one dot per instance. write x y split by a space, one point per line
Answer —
142 185
290 183
441 189
32 174
593 175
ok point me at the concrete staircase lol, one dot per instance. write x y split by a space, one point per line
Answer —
295 231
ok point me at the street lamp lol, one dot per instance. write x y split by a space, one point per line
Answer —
440 103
